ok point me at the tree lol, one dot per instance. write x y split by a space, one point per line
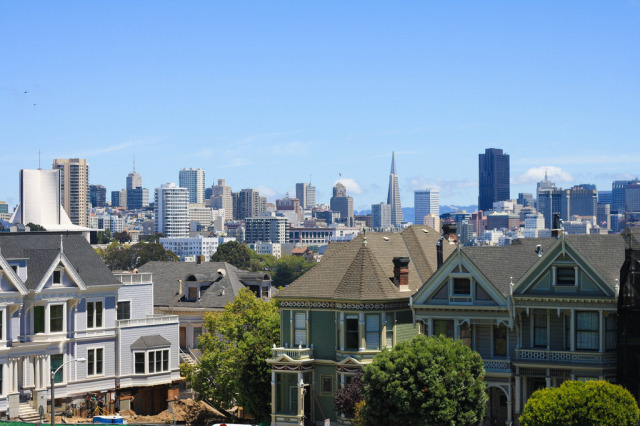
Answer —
581 403
234 349
103 237
233 252
290 268
121 257
349 396
122 237
35 227
425 381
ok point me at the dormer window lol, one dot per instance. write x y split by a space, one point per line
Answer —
565 276
192 293
462 286
57 277
460 289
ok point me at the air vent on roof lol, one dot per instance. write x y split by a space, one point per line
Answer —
426 231
385 238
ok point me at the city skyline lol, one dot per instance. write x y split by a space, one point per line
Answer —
265 97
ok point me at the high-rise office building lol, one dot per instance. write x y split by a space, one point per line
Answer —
311 196
393 196
134 180
172 211
221 198
137 198
248 203
193 180
342 203
426 202
74 184
493 179
617 196
380 216
267 228
98 195
301 194
583 201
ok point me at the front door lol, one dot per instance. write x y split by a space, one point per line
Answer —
183 337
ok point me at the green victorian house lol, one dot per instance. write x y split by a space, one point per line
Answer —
340 314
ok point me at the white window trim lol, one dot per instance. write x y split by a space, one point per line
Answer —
146 361
554 276
119 301
94 300
61 283
95 360
5 320
47 319
63 369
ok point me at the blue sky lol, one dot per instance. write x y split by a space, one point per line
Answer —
267 94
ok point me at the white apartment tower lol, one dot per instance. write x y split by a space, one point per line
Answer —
193 180
172 211
74 186
393 197
426 202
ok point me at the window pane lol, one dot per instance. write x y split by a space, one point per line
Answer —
91 365
352 340
372 325
462 286
98 314
152 362
56 361
139 356
38 319
165 360
99 353
90 310
56 317
565 276
124 310
500 341
611 338
587 330
300 325
540 330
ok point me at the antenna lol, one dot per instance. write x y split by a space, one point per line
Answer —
39 160
134 163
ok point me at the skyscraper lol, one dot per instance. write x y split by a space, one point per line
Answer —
134 180
248 203
172 211
493 179
193 180
380 216
301 194
74 184
98 195
393 197
221 198
426 202
311 196
342 203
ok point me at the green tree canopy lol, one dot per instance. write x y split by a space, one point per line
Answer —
290 268
233 252
122 257
581 403
425 381
234 349
35 227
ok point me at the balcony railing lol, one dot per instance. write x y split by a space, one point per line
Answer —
497 365
358 355
138 278
565 356
297 354
149 320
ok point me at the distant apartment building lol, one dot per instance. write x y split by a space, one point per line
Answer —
426 202
119 198
605 197
198 245
533 223
577 227
274 249
200 214
74 185
583 200
221 198
267 227
248 203
4 211
172 211
381 216
98 195
193 181
288 204
432 221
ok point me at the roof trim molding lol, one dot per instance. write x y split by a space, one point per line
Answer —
12 276
69 269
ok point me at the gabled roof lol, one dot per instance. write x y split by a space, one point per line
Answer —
43 249
341 274
215 290
154 341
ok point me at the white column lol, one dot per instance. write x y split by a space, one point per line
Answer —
601 331
273 392
47 369
10 381
15 374
532 319
342 331
548 378
363 344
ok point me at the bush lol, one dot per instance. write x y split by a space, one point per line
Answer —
581 403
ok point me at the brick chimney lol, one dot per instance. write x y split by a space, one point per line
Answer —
401 273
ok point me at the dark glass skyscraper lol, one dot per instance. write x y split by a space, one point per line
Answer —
493 181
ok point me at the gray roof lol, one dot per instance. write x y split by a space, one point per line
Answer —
155 341
41 249
215 290
355 272
605 253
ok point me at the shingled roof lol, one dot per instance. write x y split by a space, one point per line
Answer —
354 271
605 253
41 250
216 290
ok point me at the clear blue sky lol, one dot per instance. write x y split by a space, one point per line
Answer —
267 93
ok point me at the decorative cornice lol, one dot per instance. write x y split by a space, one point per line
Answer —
345 306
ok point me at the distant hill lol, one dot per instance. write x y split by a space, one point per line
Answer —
448 209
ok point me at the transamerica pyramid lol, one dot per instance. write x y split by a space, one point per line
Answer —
393 199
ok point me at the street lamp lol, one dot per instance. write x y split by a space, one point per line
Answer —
53 383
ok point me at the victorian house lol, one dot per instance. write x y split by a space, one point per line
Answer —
539 312
344 311
63 311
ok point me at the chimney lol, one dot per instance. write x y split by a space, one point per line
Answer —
448 234
439 251
401 273
200 259
556 229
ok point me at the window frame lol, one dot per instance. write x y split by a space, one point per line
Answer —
536 319
118 311
495 338
561 279
611 333
593 332
350 333
61 371
49 319
93 372
323 381
373 334
161 357
94 315
299 329
60 273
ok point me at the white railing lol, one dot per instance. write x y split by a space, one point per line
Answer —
141 278
154 319
497 365
359 355
298 353
565 356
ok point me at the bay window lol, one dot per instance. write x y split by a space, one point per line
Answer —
372 326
